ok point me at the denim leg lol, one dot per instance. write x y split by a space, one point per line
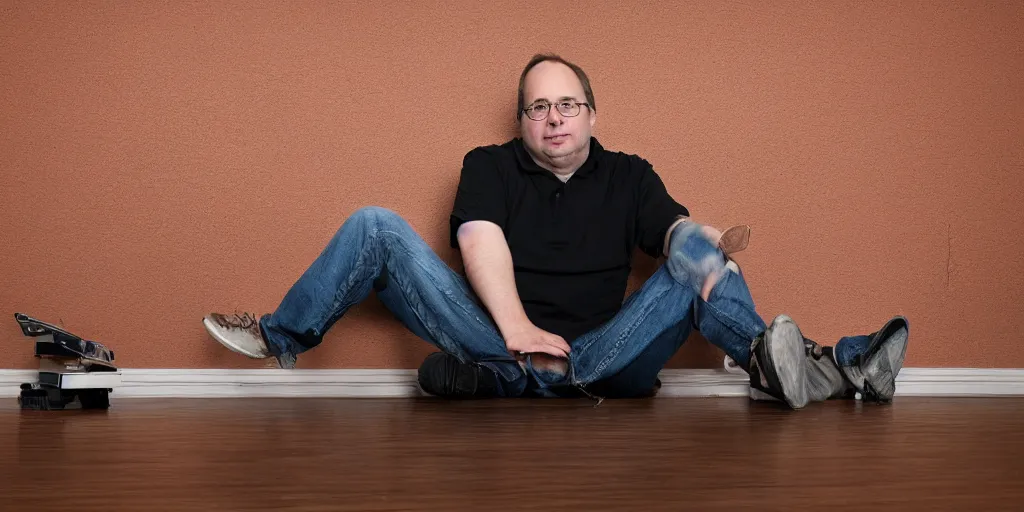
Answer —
377 248
654 322
730 308
849 347
639 377
660 305
728 319
729 315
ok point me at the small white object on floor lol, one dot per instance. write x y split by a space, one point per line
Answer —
732 367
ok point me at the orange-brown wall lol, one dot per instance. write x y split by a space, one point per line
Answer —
162 160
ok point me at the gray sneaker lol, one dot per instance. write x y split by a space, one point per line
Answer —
872 375
241 334
777 368
824 378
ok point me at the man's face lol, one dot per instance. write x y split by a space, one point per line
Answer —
557 140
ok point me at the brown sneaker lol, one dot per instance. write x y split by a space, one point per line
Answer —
239 333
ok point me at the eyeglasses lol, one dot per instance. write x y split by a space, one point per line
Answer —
539 111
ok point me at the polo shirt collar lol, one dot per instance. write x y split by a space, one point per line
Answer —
527 164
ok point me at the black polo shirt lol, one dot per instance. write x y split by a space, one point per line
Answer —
572 242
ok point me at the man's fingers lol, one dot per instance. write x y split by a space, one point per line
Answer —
550 348
560 343
557 342
555 352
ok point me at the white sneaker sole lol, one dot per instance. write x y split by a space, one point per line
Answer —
786 349
213 329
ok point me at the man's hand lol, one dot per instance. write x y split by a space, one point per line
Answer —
712 234
732 240
529 338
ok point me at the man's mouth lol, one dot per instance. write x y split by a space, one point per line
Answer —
557 138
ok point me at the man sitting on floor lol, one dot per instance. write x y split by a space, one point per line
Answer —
546 224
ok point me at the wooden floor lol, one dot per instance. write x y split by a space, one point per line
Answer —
426 454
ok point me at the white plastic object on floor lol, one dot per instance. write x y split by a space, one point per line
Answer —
732 367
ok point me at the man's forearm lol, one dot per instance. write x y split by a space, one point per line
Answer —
488 264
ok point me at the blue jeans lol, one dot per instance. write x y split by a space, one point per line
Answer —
375 249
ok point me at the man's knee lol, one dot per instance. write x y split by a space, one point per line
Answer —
371 220
376 216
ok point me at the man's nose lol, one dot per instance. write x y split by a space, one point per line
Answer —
555 117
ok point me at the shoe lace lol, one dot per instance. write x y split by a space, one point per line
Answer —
245 321
812 348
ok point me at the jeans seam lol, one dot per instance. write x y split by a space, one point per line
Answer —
727 320
450 297
349 283
446 291
620 342
596 335
398 240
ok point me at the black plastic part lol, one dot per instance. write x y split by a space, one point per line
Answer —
48 395
49 379
35 327
94 398
41 399
45 348
65 343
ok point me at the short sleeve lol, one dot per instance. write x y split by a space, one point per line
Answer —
481 194
657 210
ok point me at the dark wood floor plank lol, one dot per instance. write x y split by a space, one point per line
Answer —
425 454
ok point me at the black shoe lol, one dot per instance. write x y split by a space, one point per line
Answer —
444 375
777 364
872 375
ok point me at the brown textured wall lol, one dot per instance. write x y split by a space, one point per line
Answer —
163 160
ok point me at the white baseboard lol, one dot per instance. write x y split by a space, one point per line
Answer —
212 383
911 382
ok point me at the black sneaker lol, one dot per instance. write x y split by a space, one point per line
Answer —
443 375
777 369
876 370
873 373
824 378
871 377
